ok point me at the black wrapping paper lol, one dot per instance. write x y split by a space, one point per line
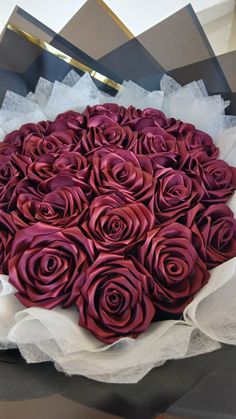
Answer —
24 58
185 54
198 387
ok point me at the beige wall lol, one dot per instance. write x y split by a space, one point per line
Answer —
138 15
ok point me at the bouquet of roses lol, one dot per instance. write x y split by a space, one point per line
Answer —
117 204
111 218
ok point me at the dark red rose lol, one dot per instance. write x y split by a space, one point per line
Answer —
141 123
195 143
14 166
158 145
173 262
96 138
12 170
103 131
13 142
218 180
158 116
111 110
176 192
173 126
214 230
69 120
34 146
48 165
45 262
117 135
150 118
197 140
60 180
120 170
39 129
155 140
114 299
130 114
71 163
68 116
87 141
60 200
42 167
100 121
7 232
117 226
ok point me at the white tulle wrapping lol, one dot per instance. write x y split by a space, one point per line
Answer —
213 308
54 335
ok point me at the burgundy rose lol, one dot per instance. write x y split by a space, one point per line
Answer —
100 121
141 123
114 169
173 126
96 138
117 226
40 129
114 300
196 143
218 180
176 192
13 145
117 135
155 140
197 140
214 230
42 167
60 200
158 145
68 120
14 166
7 232
70 163
158 116
45 262
130 114
173 262
13 142
48 165
113 111
34 146
12 170
7 149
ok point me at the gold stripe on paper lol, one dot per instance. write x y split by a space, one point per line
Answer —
118 22
59 54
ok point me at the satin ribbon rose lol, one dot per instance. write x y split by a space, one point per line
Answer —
114 298
173 262
115 225
45 262
114 169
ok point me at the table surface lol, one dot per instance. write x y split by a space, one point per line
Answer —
199 387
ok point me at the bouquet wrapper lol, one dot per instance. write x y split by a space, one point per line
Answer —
139 64
25 58
23 20
54 335
188 63
185 55
113 34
